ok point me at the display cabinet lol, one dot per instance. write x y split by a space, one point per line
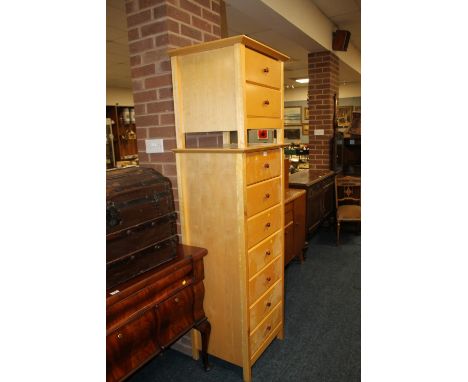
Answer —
121 136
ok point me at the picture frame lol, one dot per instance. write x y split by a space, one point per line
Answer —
305 114
305 129
292 115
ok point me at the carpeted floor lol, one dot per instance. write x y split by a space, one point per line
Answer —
322 325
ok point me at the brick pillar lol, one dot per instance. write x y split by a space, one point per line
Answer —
154 27
324 70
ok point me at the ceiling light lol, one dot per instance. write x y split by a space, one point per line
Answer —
302 80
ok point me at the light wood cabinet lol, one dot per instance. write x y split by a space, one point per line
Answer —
294 225
231 197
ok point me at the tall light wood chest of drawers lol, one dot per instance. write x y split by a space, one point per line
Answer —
231 197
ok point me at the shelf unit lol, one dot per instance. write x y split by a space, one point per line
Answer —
123 135
231 197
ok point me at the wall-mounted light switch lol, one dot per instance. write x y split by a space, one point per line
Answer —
154 146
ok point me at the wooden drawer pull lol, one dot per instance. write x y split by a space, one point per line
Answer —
266 70
120 336
268 304
268 225
268 253
176 299
266 165
184 282
266 102
268 328
268 278
267 195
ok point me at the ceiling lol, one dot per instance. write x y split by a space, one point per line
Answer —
118 57
345 14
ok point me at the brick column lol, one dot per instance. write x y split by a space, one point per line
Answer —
324 72
154 27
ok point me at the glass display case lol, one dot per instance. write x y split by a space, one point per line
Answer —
110 152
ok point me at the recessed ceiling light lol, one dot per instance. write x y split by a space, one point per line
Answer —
302 80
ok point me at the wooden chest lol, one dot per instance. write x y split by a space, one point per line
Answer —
320 197
141 231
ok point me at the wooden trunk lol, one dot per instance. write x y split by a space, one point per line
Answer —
141 230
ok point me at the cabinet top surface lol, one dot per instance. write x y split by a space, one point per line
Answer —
221 43
185 254
309 177
292 194
230 149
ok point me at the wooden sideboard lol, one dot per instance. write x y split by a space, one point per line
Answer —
150 312
320 198
294 224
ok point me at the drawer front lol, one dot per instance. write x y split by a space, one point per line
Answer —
175 316
264 253
263 331
262 196
264 280
262 69
262 102
131 345
153 293
265 305
288 213
263 225
262 165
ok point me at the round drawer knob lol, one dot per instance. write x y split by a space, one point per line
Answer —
120 336
176 299
268 225
129 231
268 279
267 195
184 282
268 304
268 327
268 253
266 70
266 165
266 102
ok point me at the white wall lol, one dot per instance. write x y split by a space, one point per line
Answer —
349 90
124 97
296 94
352 89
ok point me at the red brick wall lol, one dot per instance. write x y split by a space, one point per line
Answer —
154 27
324 72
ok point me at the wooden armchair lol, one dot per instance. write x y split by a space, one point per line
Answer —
348 201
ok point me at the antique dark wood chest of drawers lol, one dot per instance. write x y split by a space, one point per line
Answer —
148 313
320 197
